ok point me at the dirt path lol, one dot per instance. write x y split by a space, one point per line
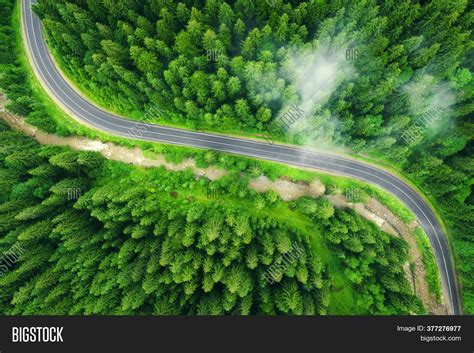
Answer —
418 278
288 190
379 214
109 150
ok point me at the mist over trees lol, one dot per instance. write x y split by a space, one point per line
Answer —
223 65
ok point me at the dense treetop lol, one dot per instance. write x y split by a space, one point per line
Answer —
99 237
225 65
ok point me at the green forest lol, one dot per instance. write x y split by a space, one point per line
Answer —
399 68
101 237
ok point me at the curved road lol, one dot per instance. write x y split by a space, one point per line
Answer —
86 112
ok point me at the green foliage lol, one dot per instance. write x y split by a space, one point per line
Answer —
14 77
7 54
429 262
122 249
205 63
134 241
373 262
218 65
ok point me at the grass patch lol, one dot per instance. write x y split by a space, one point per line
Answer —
342 294
342 298
429 262
65 126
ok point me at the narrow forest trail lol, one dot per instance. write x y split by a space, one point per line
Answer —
378 214
88 113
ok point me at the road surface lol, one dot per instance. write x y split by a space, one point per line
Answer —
86 112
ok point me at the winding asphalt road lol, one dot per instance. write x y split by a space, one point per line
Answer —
86 112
